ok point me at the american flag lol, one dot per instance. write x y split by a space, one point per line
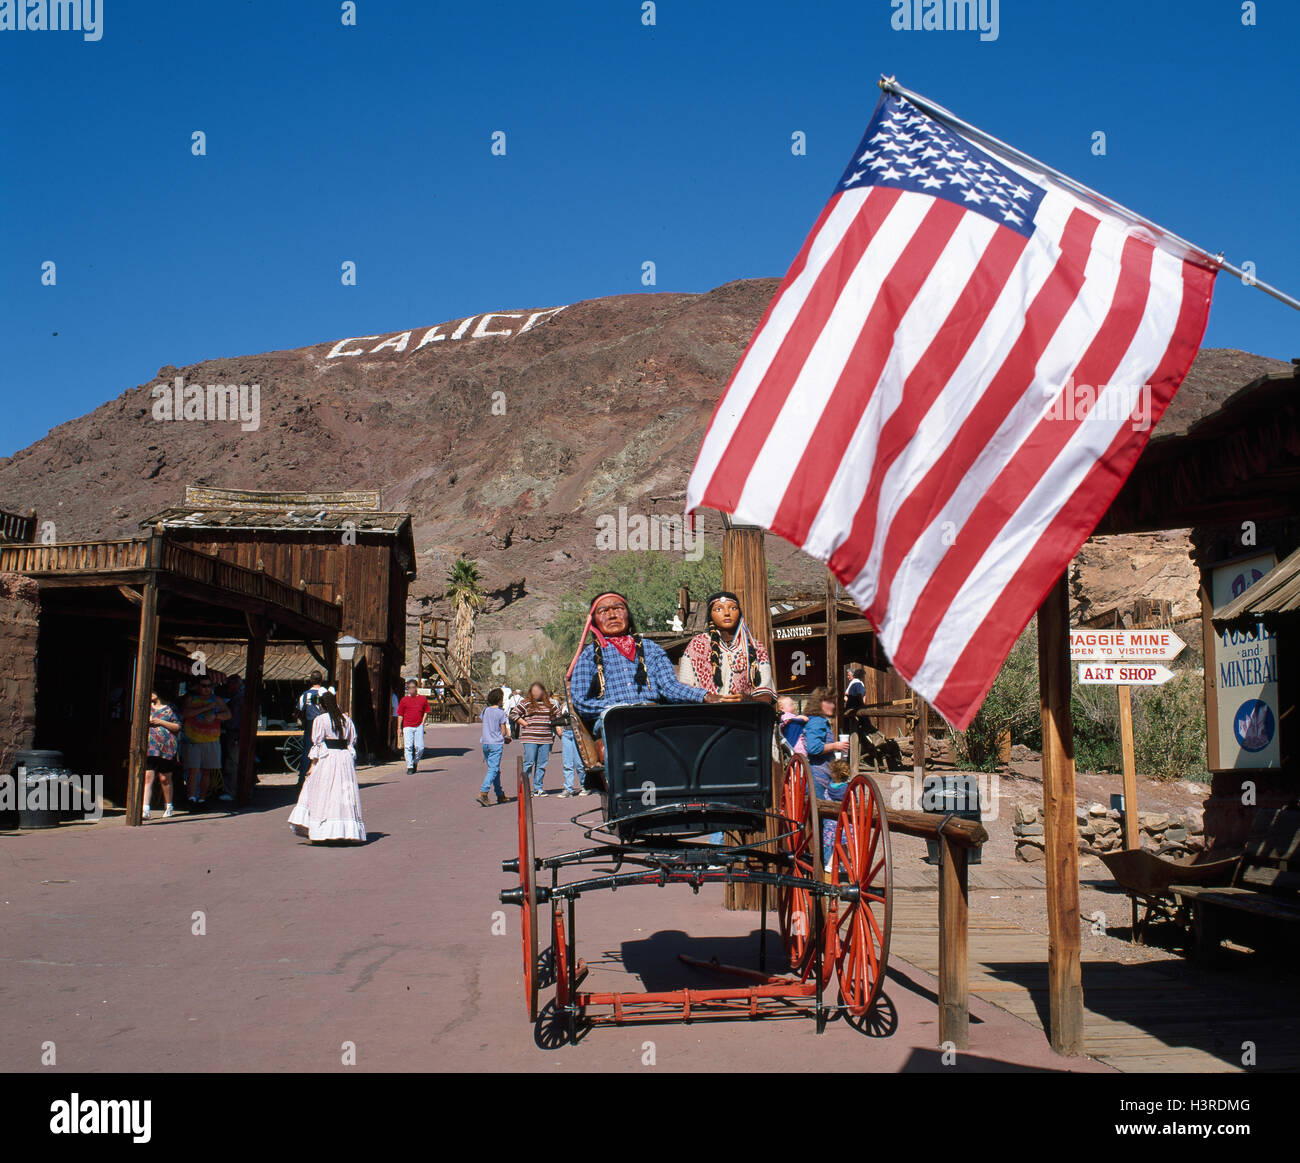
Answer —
913 409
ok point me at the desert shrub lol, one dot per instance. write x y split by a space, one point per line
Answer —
1011 705
1169 728
1168 723
1094 715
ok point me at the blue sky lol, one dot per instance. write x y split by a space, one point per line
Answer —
624 144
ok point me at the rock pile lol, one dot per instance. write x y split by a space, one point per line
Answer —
1100 830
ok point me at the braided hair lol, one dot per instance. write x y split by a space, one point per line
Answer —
715 657
642 679
715 644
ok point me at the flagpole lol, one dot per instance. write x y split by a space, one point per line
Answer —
889 85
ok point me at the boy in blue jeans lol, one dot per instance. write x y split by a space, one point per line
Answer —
494 736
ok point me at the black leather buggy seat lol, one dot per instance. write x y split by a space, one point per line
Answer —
688 768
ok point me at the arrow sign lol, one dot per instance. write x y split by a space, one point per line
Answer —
1124 673
1125 645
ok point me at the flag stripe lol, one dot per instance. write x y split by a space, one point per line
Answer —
787 296
809 385
876 445
1050 306
1024 466
967 683
765 388
856 385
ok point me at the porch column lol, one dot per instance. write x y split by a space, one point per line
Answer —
256 656
145 659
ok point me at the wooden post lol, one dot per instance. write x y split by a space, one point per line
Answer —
833 646
1130 766
145 660
744 573
1064 977
256 656
954 985
345 687
919 733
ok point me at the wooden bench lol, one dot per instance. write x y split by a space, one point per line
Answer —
1264 891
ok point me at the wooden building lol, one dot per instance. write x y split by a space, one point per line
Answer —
109 619
338 546
1232 474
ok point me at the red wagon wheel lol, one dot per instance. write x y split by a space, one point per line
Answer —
858 937
794 906
528 879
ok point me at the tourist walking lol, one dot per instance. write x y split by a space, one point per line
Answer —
164 728
308 709
411 711
202 714
493 738
536 716
329 806
575 775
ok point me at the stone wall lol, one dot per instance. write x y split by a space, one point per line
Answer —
19 605
1100 830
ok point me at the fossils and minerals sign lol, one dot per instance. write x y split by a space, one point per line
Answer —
1245 676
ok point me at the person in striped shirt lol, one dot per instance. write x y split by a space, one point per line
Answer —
537 716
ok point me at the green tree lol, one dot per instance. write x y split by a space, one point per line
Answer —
650 581
464 589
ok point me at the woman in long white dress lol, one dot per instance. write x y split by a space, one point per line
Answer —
329 806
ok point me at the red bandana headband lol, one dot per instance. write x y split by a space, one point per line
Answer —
623 643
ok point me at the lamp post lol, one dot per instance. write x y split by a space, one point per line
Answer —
347 649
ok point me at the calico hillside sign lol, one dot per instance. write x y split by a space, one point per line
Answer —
493 325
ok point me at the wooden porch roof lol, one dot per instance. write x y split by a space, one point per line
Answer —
181 571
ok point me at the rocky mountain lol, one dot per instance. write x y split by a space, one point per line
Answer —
509 436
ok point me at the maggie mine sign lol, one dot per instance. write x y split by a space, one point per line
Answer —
1125 646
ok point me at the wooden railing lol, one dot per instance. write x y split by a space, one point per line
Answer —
253 583
133 554
76 557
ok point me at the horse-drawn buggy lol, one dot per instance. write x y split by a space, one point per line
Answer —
670 777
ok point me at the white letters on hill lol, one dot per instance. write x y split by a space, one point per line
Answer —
495 324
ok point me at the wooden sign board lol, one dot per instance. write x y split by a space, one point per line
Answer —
1124 673
1125 645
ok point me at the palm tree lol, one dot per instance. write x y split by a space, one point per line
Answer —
464 589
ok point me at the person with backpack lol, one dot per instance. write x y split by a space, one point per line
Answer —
308 708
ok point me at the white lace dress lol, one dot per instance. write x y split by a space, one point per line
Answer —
329 806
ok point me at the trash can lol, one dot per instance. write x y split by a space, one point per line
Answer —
38 778
959 794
